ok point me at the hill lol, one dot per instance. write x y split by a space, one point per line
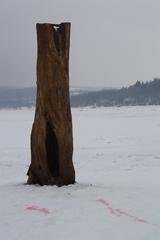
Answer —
140 93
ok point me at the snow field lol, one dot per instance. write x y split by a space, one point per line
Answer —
117 194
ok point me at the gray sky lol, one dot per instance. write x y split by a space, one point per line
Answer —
113 42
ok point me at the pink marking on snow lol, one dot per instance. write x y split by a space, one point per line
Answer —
36 208
123 213
111 210
120 213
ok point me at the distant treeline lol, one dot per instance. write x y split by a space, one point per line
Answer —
17 98
140 93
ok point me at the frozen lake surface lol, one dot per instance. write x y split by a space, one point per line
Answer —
117 163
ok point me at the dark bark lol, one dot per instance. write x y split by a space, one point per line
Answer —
51 137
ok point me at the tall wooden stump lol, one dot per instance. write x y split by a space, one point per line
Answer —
51 137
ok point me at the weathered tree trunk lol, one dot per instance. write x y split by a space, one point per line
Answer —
51 137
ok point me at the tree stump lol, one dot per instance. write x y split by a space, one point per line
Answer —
51 137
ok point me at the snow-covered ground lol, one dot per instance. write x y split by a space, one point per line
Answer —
117 194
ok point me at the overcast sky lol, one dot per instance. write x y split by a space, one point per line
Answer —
113 42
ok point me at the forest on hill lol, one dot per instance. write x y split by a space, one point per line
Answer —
140 93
